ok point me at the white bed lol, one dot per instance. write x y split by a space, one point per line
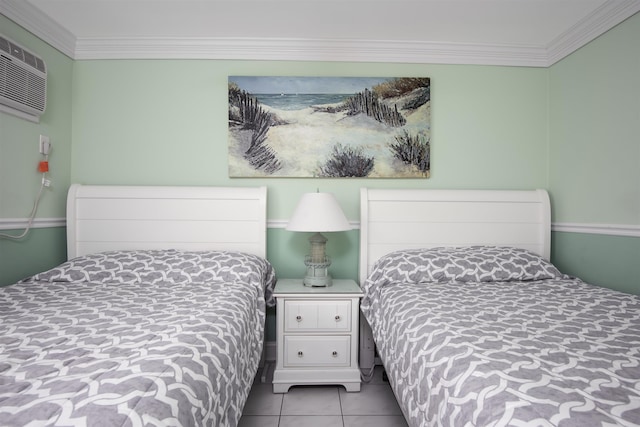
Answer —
475 326
101 218
157 318
405 219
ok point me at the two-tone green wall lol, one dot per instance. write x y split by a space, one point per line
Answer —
594 158
19 157
165 122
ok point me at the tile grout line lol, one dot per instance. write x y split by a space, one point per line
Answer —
281 407
340 403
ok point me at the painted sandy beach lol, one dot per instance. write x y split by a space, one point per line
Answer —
303 140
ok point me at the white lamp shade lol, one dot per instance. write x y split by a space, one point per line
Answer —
318 212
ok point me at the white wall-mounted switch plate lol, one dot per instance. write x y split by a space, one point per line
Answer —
45 144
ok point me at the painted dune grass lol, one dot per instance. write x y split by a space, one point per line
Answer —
347 130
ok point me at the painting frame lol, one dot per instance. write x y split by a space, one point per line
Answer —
329 127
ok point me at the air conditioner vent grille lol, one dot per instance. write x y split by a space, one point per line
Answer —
30 59
16 51
23 81
40 65
4 45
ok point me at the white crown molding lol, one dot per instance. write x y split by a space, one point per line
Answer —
36 22
280 49
595 24
21 223
607 229
32 19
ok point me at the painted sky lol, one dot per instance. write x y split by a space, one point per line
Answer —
279 84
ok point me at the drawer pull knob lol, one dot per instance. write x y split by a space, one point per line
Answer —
334 354
299 354
337 317
299 318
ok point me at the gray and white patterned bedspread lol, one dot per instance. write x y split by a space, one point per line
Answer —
133 338
486 336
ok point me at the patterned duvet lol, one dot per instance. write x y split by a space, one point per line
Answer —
133 338
486 336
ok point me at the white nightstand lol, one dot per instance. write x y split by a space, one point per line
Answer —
317 333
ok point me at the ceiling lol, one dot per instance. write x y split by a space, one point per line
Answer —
492 32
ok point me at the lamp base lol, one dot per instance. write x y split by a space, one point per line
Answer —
317 282
317 272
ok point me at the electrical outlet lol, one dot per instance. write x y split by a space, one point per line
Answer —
45 144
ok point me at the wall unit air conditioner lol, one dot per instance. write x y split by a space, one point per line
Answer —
23 81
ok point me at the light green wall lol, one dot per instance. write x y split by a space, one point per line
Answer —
594 159
165 122
594 120
19 157
42 249
286 252
572 128
610 261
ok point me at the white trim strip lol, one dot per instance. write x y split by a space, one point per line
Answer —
282 223
281 49
601 19
21 223
35 21
607 229
277 223
566 227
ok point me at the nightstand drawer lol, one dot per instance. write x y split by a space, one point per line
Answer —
328 315
316 351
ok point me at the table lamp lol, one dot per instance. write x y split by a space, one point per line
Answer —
318 213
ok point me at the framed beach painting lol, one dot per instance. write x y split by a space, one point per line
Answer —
331 127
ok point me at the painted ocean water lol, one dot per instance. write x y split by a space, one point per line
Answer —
295 101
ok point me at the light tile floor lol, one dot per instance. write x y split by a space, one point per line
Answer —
323 406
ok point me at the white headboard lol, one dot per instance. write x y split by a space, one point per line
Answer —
103 217
409 219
